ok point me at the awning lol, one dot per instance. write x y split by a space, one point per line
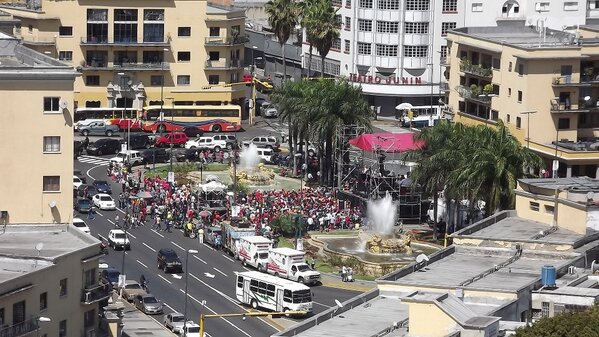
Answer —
386 142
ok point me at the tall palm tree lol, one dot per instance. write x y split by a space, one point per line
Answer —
309 22
282 18
324 29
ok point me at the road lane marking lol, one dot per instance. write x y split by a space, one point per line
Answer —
176 245
168 306
197 258
141 263
112 222
214 312
131 235
150 248
100 214
162 277
155 232
228 258
219 271
208 246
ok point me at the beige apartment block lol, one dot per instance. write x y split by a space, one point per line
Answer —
137 53
36 92
542 83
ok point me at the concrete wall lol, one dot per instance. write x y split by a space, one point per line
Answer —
421 323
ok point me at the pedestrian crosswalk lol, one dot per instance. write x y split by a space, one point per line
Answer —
93 160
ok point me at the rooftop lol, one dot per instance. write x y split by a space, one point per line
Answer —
576 183
521 36
520 229
213 8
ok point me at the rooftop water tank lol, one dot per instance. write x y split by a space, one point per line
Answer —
548 275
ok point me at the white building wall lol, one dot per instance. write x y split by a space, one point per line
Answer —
411 78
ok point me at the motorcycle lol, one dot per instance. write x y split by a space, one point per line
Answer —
192 234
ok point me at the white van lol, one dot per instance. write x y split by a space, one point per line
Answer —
265 155
133 157
253 250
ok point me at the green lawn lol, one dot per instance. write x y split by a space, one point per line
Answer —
336 232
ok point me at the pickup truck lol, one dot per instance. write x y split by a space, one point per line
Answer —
117 238
99 128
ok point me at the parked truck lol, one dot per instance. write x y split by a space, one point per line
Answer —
291 264
98 128
231 235
253 250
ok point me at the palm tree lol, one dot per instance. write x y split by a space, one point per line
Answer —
282 18
324 29
309 22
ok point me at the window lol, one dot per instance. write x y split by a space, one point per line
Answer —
63 286
477 6
365 4
43 301
125 25
415 51
534 206
1 316
214 31
386 50
92 80
509 92
364 48
347 23
387 27
544 309
62 328
89 318
518 122
364 25
51 104
153 25
549 209
444 53
570 6
446 26
213 79
156 80
417 5
183 80
519 96
347 46
336 3
338 20
65 31
347 3
239 281
214 56
65 55
18 312
508 118
450 6
594 4
51 144
520 69
542 7
30 29
563 123
336 44
184 31
184 56
388 4
416 27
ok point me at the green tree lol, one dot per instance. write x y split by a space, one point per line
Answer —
324 28
282 18
309 22
576 324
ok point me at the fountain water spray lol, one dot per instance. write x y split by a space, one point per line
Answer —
382 214
249 158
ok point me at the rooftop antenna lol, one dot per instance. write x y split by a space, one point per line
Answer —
38 246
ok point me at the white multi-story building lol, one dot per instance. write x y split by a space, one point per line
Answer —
396 49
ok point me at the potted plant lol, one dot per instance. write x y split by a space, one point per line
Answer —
588 73
488 89
474 90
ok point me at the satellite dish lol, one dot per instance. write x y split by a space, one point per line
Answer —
52 204
591 195
39 246
339 304
63 104
421 258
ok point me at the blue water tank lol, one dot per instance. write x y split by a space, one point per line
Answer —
548 275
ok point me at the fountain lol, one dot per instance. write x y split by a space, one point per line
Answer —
250 170
380 236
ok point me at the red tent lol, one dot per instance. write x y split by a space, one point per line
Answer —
386 142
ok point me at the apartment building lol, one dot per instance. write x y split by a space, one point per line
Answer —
396 49
541 83
36 173
138 53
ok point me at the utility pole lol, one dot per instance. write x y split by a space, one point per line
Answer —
527 113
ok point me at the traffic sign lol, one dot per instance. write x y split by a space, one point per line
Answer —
171 177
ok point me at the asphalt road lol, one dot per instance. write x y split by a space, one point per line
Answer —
210 274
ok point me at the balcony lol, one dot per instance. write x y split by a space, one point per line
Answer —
476 93
475 69
224 65
564 106
20 329
564 81
94 293
580 145
104 41
38 40
141 66
226 41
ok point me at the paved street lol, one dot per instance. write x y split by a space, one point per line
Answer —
210 273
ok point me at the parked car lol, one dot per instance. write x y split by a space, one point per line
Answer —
176 138
175 321
148 304
103 202
210 234
83 205
86 122
230 140
270 142
155 155
169 261
139 141
99 128
91 191
206 142
187 155
271 113
131 289
80 175
117 238
191 330
132 157
192 131
102 186
110 276
104 146
81 225
76 182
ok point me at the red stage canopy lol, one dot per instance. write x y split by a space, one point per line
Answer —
386 142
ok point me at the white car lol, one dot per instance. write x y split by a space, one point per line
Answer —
76 182
175 321
193 330
132 157
206 143
270 112
117 238
81 225
104 201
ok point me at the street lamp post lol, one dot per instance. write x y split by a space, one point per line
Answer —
162 84
189 251
123 84
172 123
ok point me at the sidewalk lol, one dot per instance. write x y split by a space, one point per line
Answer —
334 281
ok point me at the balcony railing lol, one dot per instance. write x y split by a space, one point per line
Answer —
104 41
231 64
226 40
475 69
94 294
566 106
475 93
20 329
142 66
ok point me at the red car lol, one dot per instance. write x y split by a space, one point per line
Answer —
176 138
135 125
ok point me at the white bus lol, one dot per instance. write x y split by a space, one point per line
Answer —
272 293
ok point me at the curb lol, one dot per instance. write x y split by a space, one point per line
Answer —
344 286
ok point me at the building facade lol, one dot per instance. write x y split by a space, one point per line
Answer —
540 83
36 174
396 49
136 54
